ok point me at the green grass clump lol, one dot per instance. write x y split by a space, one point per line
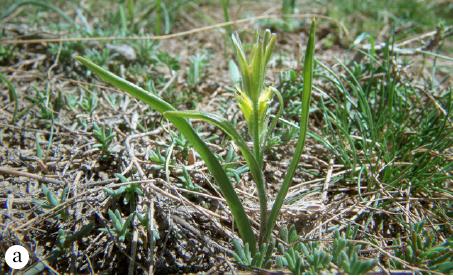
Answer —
377 128
404 17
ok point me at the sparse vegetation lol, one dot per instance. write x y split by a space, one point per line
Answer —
245 152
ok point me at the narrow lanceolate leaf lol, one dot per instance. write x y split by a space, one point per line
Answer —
229 129
237 210
306 95
12 95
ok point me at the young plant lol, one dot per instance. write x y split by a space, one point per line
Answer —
71 101
11 93
104 136
121 227
311 258
39 151
288 10
89 103
63 243
196 68
128 193
187 181
157 158
53 201
422 248
42 100
243 255
254 100
346 254
232 165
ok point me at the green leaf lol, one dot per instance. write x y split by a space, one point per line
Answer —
116 221
241 253
126 224
446 268
284 233
39 152
64 194
83 232
12 95
306 95
293 236
237 210
235 75
229 129
121 177
51 198
281 262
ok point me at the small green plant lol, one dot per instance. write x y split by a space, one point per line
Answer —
310 258
196 67
71 102
422 248
128 193
254 100
12 94
345 253
143 218
100 57
112 99
301 258
7 53
65 239
231 165
63 244
146 51
89 102
104 136
187 181
39 151
43 101
288 10
121 227
243 255
52 200
157 158
171 62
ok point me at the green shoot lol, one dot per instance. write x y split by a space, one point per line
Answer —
121 227
187 181
104 136
89 103
12 95
129 193
422 247
52 201
196 67
39 152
